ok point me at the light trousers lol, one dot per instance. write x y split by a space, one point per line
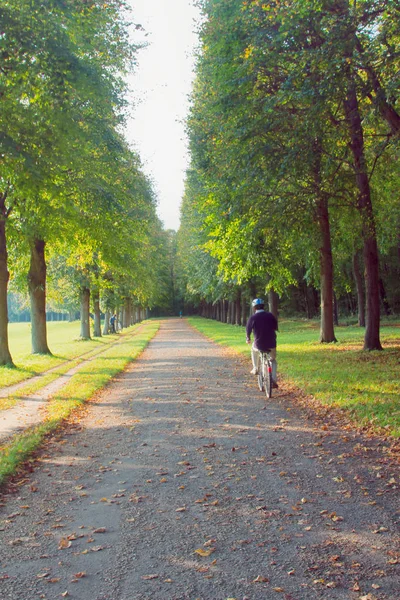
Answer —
255 359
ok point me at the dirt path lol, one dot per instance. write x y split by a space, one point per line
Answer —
181 455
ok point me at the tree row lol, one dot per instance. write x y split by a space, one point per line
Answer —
294 138
75 205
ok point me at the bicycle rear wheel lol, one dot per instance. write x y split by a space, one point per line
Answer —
261 378
268 379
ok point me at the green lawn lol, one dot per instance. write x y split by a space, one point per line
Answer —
63 341
366 384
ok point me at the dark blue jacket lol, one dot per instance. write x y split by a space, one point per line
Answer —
264 326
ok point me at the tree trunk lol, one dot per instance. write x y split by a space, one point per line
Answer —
358 278
273 300
371 259
382 293
231 311
96 312
238 320
120 319
5 356
126 313
37 294
85 316
327 332
106 326
307 300
244 311
335 310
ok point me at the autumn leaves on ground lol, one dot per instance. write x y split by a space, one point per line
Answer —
182 482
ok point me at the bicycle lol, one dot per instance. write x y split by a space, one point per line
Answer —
265 373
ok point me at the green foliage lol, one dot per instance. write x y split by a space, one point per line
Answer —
68 176
270 140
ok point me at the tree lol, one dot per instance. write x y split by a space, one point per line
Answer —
63 72
283 94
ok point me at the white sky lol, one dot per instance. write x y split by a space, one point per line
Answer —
160 88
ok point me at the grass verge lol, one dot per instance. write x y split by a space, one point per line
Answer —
80 389
365 384
63 341
45 379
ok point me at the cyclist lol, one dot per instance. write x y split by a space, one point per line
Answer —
264 326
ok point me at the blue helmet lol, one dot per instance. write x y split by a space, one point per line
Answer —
258 302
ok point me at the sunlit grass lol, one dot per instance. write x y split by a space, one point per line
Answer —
63 341
32 386
82 386
366 384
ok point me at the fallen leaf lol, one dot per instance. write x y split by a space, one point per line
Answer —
261 579
380 530
202 552
80 575
64 543
100 530
148 577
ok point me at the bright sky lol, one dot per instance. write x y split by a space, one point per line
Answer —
160 87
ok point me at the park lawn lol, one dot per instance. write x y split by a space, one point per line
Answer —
63 341
82 387
365 384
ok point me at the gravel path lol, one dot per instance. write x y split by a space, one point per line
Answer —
182 482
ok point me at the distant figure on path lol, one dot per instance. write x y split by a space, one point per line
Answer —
112 323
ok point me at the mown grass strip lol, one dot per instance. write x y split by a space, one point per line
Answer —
80 389
63 342
365 384
30 388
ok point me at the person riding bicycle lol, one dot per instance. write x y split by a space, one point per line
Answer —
264 326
